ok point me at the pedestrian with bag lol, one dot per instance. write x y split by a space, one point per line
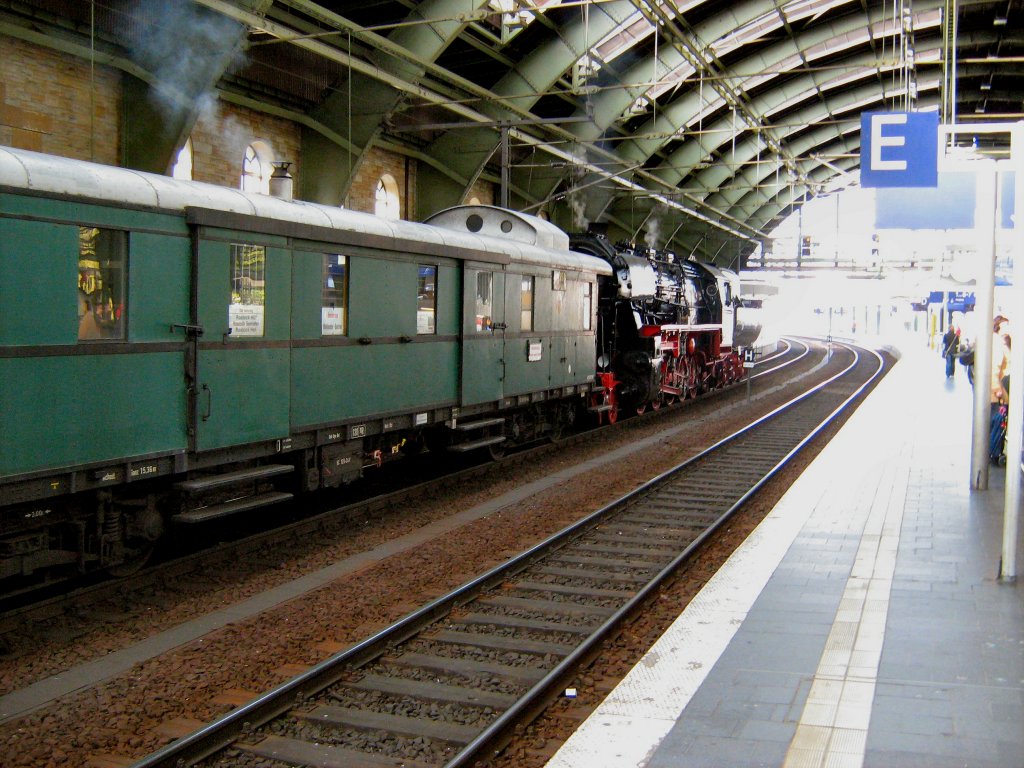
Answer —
950 348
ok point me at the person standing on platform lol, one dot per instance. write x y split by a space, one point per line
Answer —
950 347
999 385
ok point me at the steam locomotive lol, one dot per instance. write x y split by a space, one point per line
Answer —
174 352
666 328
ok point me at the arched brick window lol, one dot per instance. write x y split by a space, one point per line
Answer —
257 167
182 168
386 202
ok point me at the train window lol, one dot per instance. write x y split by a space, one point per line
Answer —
102 269
334 304
484 301
727 294
558 280
588 306
426 308
248 290
526 320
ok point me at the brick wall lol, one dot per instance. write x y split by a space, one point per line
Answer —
484 192
377 162
50 102
221 135
46 98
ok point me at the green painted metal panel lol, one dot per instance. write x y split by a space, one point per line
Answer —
522 374
449 299
563 361
382 297
307 281
483 353
38 295
159 267
62 411
331 384
94 215
242 396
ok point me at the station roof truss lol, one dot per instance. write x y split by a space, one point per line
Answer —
692 124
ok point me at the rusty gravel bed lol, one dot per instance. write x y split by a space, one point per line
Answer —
447 684
132 714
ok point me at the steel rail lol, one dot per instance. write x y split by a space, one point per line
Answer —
227 729
543 689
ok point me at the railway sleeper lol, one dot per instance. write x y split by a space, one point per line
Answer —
466 667
429 691
295 752
414 727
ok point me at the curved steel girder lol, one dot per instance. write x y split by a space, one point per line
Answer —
850 144
755 176
818 173
468 150
677 115
405 54
681 163
839 34
835 36
810 114
542 67
773 210
864 96
824 135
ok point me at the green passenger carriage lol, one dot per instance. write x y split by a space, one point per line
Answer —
172 352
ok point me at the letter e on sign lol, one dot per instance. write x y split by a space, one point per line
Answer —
880 140
899 149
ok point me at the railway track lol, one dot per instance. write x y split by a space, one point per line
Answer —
448 684
20 614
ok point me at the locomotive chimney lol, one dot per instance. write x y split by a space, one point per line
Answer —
281 182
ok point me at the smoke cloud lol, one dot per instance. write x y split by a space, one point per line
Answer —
187 48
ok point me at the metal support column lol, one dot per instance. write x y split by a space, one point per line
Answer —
1015 415
984 224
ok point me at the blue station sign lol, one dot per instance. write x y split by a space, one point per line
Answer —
899 149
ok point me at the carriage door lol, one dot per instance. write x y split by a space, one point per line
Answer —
483 334
242 384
